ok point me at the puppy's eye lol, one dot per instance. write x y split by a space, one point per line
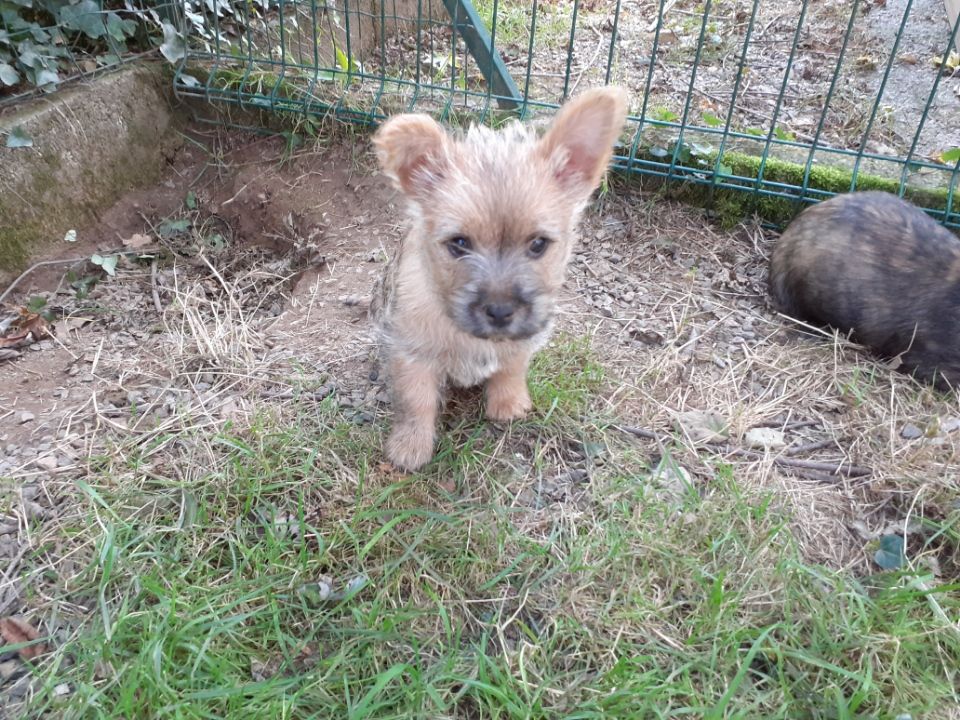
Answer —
458 246
538 246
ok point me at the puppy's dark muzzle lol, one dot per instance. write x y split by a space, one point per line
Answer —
510 319
500 315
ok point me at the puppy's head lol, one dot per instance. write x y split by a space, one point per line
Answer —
495 212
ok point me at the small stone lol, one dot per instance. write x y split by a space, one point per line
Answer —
950 425
911 432
11 669
574 476
764 438
61 690
46 462
25 417
34 510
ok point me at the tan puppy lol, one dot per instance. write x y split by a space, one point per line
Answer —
470 295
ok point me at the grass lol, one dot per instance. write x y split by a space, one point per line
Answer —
202 581
513 22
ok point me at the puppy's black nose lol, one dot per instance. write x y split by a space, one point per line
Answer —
499 314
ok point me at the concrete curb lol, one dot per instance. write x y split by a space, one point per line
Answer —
91 143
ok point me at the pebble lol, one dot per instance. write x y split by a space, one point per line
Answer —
34 510
46 462
950 424
764 438
26 417
574 476
61 690
11 669
911 432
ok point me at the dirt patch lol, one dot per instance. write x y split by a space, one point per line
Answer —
91 144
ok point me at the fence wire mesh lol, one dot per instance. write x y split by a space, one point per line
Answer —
774 102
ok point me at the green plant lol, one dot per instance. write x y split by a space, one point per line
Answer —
39 38
43 42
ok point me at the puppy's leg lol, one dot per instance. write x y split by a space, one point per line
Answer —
416 395
507 395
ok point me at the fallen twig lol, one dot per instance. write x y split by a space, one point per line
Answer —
153 287
33 267
320 394
815 469
810 447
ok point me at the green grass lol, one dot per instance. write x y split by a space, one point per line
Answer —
513 22
196 590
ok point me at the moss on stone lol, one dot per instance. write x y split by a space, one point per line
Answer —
732 205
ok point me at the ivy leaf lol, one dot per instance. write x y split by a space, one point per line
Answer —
890 556
169 228
120 29
173 47
18 138
28 57
46 77
950 156
8 75
189 80
84 16
108 263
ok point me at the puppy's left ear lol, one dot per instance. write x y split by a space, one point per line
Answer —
580 141
412 150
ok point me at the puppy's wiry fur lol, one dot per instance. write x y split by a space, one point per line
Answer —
469 296
874 265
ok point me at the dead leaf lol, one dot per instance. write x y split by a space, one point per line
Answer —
15 340
15 631
138 241
33 323
703 427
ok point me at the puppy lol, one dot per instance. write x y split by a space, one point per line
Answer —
874 265
470 295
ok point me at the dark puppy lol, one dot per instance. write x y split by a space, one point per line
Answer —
873 264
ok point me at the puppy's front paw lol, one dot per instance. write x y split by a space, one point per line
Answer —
410 447
507 401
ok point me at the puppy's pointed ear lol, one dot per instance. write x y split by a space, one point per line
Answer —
580 141
412 150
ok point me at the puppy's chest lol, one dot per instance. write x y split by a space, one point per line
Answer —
471 365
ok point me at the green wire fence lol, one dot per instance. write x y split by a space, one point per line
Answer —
760 106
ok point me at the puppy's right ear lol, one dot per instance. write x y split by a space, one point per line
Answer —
412 149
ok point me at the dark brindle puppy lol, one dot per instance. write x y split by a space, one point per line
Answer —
873 264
